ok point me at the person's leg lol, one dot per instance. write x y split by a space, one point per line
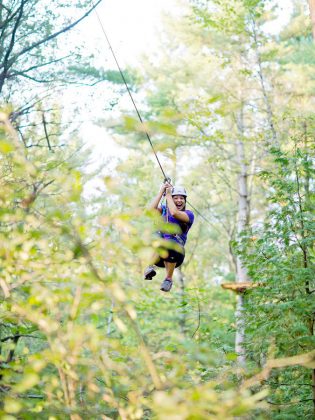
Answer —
168 282
150 271
170 267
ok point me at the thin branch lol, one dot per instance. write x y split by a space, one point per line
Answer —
290 403
27 107
12 337
284 384
32 78
306 359
14 73
45 130
5 23
54 35
37 189
11 45
199 318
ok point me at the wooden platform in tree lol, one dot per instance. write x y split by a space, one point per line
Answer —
239 287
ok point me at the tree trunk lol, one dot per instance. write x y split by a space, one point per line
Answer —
182 320
308 207
270 117
311 4
242 223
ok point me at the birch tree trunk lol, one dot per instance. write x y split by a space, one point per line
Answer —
270 116
311 4
182 320
242 223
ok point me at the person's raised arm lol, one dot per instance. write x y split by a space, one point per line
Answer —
156 201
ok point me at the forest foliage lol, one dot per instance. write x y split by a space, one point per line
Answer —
229 107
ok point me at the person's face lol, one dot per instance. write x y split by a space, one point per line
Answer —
179 201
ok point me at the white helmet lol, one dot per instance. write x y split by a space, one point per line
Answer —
179 191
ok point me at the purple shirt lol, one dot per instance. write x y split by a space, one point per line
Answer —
181 238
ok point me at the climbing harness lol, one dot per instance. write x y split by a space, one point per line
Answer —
165 212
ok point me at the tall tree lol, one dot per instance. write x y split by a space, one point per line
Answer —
29 39
279 259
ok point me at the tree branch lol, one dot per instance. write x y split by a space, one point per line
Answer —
6 64
46 132
18 73
54 35
13 337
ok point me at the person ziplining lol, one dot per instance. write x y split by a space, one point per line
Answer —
173 212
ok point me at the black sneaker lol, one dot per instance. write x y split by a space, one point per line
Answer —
149 273
166 285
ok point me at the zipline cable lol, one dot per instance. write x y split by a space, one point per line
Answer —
128 90
201 215
137 111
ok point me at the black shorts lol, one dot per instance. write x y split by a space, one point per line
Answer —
173 256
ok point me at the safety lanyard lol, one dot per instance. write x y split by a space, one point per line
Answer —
165 211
